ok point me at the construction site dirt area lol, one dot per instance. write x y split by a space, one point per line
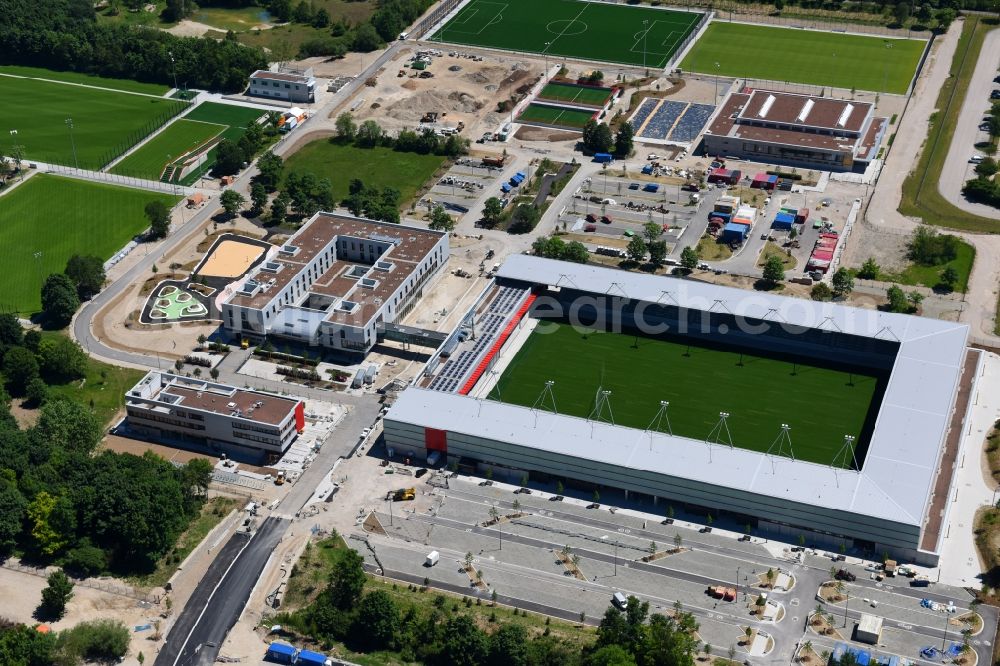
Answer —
460 89
230 259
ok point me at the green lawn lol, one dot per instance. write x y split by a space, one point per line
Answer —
818 403
177 140
235 118
562 92
105 123
640 36
806 56
930 276
554 115
380 167
87 79
55 218
232 18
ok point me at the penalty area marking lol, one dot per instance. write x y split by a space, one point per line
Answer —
498 17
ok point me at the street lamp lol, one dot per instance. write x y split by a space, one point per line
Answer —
716 82
546 54
72 141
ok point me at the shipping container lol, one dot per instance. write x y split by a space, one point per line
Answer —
281 653
602 157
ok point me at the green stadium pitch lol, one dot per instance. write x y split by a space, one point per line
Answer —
596 31
556 115
760 393
569 94
818 58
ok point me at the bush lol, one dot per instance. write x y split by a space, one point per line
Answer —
821 292
929 248
98 641
298 373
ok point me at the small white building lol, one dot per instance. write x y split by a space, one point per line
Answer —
287 86
869 629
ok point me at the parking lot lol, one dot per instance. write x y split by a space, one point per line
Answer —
461 186
524 561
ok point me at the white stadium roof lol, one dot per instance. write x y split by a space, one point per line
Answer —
898 473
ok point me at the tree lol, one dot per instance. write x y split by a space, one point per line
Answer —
509 646
159 219
347 580
651 231
524 218
464 643
67 425
370 134
87 273
623 139
636 249
85 559
19 368
611 655
774 270
915 298
258 199
378 620
987 168
596 497
229 158
597 137
440 220
61 359
366 39
657 252
271 168
56 595
820 292
897 301
689 258
59 300
949 278
869 270
843 282
576 252
279 209
36 392
12 509
103 641
492 212
321 19
232 201
929 248
346 127
902 12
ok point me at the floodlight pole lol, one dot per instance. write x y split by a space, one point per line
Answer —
173 65
72 141
645 33
661 416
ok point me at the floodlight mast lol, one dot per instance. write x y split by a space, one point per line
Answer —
843 457
721 428
780 441
657 422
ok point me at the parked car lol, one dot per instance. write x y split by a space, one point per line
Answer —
844 574
522 491
556 498
487 482
420 472
591 217
976 159
995 94
606 219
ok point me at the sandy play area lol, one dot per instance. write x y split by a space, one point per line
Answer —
230 259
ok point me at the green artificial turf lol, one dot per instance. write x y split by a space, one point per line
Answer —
127 85
236 119
105 123
562 92
379 167
699 382
54 218
554 115
570 28
177 140
805 56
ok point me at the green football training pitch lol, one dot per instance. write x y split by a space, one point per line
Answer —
235 118
806 56
104 123
572 29
820 404
554 115
47 219
127 85
561 92
177 140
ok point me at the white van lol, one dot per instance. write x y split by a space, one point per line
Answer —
403 36
620 600
433 558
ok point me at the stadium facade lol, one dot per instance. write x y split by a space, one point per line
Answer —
893 501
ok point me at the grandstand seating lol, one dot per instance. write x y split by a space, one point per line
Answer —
671 120
490 325
495 349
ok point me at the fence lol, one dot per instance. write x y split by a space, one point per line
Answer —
116 179
103 586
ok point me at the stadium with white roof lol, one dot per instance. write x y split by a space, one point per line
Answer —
894 500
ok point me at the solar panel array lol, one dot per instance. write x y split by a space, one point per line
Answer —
488 326
669 120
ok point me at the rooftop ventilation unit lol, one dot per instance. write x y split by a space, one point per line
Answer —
395 240
804 113
844 115
289 249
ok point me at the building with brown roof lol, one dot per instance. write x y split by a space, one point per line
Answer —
245 424
337 282
286 86
797 130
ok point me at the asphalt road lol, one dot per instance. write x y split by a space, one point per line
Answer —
218 601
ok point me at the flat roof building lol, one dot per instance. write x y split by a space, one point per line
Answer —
336 283
286 86
243 423
895 500
797 130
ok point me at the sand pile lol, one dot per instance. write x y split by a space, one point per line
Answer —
413 107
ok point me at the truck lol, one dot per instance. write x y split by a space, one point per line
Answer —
920 581
433 558
844 574
496 161
890 567
280 479
402 495
602 158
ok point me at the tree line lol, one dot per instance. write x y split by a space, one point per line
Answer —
98 641
444 632
65 35
60 500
